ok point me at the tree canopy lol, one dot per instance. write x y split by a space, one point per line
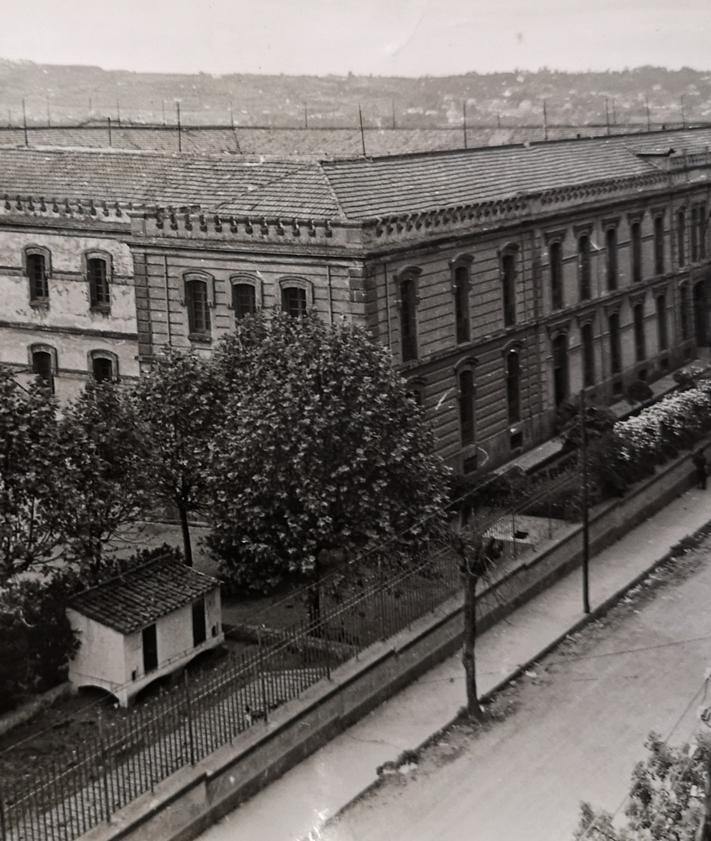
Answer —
321 449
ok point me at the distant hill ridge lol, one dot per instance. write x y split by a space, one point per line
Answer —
75 94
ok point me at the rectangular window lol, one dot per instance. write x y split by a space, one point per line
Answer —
97 273
694 234
198 308
408 323
466 407
42 367
102 369
150 649
243 299
615 346
584 272
639 338
684 321
461 303
681 238
611 249
199 624
555 256
662 333
293 301
636 245
513 385
37 273
560 369
659 245
588 350
508 271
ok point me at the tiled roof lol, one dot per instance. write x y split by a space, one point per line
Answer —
288 188
356 189
142 595
421 182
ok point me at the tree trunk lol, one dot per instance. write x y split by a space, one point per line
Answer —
469 655
187 548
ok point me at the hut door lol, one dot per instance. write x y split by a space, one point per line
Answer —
150 649
199 633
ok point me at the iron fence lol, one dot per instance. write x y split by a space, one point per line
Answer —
129 756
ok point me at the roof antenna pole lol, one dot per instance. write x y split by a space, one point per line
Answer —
646 105
362 133
24 121
607 115
464 121
180 139
108 125
545 120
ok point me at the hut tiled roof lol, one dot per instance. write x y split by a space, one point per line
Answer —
142 595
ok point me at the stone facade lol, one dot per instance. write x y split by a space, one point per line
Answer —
496 309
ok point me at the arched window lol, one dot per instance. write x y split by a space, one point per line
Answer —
103 365
43 360
584 272
98 276
613 324
244 299
555 258
508 286
611 250
587 346
659 244
37 269
662 331
408 316
560 368
636 245
681 237
198 305
461 283
296 296
513 385
640 348
466 406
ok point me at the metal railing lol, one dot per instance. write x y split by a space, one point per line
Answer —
129 756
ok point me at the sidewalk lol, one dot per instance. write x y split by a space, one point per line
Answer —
323 784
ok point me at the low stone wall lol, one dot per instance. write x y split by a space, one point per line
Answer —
193 799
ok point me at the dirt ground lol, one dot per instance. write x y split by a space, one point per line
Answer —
570 729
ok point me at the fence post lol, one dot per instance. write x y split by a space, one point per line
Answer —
191 735
262 677
104 770
3 825
381 597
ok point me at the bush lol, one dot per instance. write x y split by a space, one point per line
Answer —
639 391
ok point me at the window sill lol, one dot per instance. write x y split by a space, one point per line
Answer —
200 338
40 303
102 309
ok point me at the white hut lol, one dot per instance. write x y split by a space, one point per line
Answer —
142 625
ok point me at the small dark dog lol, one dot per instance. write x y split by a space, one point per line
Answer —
250 715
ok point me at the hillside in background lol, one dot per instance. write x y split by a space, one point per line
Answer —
77 94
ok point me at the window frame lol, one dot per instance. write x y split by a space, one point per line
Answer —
98 303
584 266
38 251
587 352
614 338
51 352
287 283
638 327
513 384
105 355
659 249
681 237
636 256
190 281
684 311
662 321
461 290
556 273
244 280
467 408
612 268
409 344
509 255
560 338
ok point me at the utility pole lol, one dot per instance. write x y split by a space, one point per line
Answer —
545 120
180 139
24 121
108 126
585 505
362 133
464 121
646 106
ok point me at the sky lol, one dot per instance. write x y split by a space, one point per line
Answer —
382 37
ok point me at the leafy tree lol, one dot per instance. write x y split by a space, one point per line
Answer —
666 800
31 478
321 451
176 407
103 468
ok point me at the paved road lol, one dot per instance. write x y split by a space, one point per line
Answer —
575 733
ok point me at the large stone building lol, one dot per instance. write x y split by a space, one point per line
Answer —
503 279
